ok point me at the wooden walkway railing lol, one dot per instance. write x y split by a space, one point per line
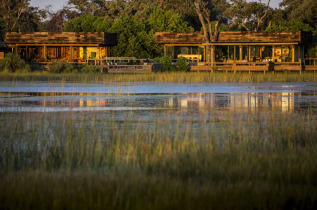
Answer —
117 60
237 66
305 65
310 64
133 69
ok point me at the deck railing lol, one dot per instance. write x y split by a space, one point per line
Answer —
116 60
127 68
248 66
310 64
310 61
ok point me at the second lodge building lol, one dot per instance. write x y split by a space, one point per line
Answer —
239 50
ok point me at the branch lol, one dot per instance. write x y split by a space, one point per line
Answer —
261 18
207 18
201 18
244 26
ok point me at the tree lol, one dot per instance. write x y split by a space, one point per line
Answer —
305 10
88 23
292 25
210 14
17 15
57 20
248 15
169 21
84 7
135 37
11 12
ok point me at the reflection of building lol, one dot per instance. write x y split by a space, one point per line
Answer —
236 102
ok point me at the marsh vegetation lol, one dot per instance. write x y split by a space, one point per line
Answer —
182 151
162 77
92 160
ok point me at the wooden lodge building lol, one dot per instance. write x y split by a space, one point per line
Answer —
239 51
46 47
230 51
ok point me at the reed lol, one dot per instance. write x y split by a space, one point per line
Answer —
162 77
91 160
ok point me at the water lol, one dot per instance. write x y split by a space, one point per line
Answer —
40 108
154 96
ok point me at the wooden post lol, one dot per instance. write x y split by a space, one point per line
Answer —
27 53
71 53
241 53
107 51
45 53
293 53
165 50
16 50
249 50
273 49
212 53
234 53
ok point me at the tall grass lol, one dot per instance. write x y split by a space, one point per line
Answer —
95 161
162 77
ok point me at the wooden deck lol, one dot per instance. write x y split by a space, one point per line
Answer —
257 66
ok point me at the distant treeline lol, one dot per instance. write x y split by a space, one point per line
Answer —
136 21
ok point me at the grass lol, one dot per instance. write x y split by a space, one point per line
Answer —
162 77
218 160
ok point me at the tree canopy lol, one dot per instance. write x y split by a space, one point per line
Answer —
136 21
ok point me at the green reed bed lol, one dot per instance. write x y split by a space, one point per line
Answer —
91 160
162 77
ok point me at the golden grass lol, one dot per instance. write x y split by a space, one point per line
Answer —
89 161
163 77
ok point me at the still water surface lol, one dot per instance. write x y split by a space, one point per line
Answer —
150 96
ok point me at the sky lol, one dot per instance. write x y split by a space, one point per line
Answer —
58 4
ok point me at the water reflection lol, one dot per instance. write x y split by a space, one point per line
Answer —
281 101
196 101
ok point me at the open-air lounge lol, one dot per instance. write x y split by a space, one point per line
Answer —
239 51
46 47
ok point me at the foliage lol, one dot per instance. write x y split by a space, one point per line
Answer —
168 21
182 64
305 10
61 67
248 15
87 23
293 25
135 37
312 52
17 15
166 63
89 69
136 21
12 63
